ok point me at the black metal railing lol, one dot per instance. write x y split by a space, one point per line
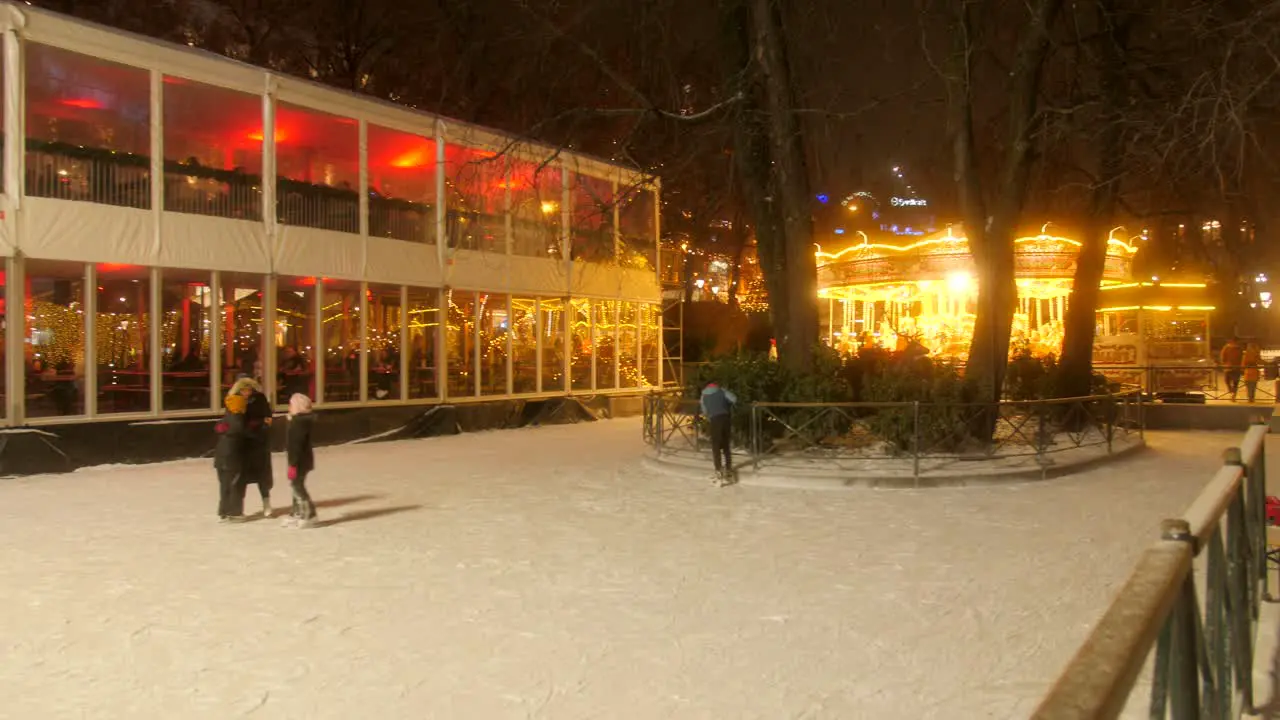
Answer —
846 436
1206 382
1203 645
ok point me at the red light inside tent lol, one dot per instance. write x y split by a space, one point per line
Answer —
83 103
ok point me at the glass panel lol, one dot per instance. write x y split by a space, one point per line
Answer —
591 229
495 324
318 169
524 345
241 320
583 348
123 339
295 337
635 224
55 359
475 198
606 343
340 314
424 320
628 343
460 342
402 185
186 334
88 128
536 191
386 317
552 329
650 343
212 150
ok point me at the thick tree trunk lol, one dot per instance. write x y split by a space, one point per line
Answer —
800 332
752 157
991 236
1075 372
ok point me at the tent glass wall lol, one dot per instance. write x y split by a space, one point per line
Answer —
475 198
122 338
582 347
536 217
606 342
551 328
88 125
460 343
591 228
386 319
186 338
242 313
650 338
636 226
424 323
402 185
295 337
495 334
340 323
524 345
628 342
54 302
212 150
318 169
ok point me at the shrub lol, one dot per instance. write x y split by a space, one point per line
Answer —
942 393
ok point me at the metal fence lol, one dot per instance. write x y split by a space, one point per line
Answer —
1203 665
847 436
1212 382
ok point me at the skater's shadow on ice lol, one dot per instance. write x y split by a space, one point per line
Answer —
339 502
367 515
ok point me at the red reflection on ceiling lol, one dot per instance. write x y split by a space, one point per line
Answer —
257 135
83 103
115 267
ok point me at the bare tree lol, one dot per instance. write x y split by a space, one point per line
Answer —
992 214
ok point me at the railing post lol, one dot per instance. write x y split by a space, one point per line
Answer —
915 443
660 438
1184 687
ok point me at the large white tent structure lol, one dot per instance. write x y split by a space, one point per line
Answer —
171 218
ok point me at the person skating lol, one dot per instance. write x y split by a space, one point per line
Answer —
257 446
717 404
228 459
1231 358
302 460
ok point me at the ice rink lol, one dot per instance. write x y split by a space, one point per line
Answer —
541 573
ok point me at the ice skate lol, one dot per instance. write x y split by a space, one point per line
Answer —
235 519
266 508
306 523
289 521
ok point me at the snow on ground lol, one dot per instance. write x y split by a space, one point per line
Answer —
542 573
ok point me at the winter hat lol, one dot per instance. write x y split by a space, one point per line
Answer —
299 404
242 383
234 403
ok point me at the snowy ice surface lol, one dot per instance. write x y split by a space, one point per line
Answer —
541 573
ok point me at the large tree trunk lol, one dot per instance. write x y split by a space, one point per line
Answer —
991 236
799 334
751 155
1075 378
772 173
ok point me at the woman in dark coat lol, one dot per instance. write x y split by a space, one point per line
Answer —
228 460
257 445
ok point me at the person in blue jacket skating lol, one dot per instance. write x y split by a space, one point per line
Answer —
717 404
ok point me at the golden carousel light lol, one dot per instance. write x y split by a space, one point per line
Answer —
927 290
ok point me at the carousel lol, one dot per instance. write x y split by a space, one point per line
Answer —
889 295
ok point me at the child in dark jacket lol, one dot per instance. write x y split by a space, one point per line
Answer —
228 460
302 460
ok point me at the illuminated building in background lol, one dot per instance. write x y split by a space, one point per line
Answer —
887 293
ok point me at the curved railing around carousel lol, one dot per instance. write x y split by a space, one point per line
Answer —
847 436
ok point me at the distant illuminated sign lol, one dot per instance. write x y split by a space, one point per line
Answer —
908 202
